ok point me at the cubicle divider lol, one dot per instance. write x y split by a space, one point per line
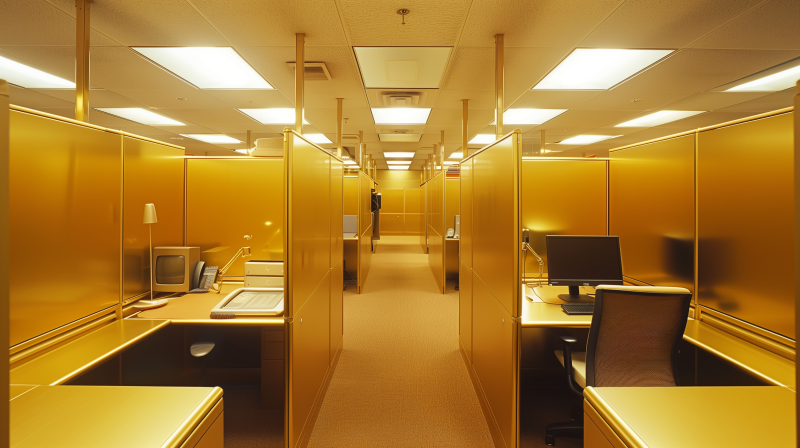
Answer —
400 205
423 221
490 279
436 232
452 208
365 230
312 219
4 256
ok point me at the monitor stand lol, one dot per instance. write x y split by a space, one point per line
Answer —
575 296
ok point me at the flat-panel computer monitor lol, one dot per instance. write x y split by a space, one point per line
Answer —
576 261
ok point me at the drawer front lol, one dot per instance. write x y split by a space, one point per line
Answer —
263 282
272 350
273 335
263 268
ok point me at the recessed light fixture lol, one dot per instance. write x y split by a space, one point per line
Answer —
398 167
391 138
398 155
207 67
483 139
586 139
774 82
450 162
213 138
275 115
398 162
658 118
598 68
241 151
140 115
317 138
530 116
401 115
350 162
29 77
456 155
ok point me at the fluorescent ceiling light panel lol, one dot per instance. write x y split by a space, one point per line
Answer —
483 139
398 155
586 139
317 138
401 115
456 155
402 67
771 83
391 138
349 162
212 138
140 115
530 116
276 115
398 167
450 162
398 162
29 77
207 67
240 151
598 68
659 118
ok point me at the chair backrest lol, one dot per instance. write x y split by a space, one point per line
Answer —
634 336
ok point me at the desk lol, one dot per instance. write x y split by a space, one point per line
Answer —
689 417
90 416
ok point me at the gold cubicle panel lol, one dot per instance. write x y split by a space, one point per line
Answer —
562 197
435 214
365 186
337 256
746 222
5 394
65 216
465 260
153 173
452 204
392 211
423 219
413 211
350 205
227 198
651 209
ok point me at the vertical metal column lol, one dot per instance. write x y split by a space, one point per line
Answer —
250 142
83 29
498 84
464 133
441 151
299 77
541 142
339 126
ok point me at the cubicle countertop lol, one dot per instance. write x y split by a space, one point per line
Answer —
89 416
655 417
86 352
196 309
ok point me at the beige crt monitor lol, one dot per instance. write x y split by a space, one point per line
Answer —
173 268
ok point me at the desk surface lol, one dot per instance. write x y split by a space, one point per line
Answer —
84 353
90 416
689 417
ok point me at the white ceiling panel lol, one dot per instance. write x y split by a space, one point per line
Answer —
574 119
551 99
471 69
184 97
524 67
713 100
211 117
772 25
703 120
121 68
402 67
478 99
57 61
37 22
37 100
766 103
251 99
626 100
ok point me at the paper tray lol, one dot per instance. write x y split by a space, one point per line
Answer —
251 301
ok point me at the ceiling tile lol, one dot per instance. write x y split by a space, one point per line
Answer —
57 61
713 100
471 69
251 99
766 103
121 68
402 67
37 22
211 117
582 119
36 100
772 25
626 100
357 119
478 99
168 98
703 120
550 99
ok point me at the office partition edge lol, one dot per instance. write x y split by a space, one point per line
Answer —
797 237
4 260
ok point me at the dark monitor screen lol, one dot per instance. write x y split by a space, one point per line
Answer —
583 260
170 269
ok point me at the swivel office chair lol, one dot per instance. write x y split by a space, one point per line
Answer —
633 342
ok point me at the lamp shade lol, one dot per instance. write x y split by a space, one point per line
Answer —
150 214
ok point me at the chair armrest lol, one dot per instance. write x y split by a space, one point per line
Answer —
564 335
567 338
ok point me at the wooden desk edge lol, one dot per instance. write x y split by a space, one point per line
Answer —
193 420
614 421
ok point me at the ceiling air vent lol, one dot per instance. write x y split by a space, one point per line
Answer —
315 71
401 99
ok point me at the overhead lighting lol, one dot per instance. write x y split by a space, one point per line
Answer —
276 115
401 115
530 116
398 162
450 162
771 83
317 138
658 118
483 139
241 151
586 139
598 68
207 67
212 138
140 115
456 155
29 77
398 167
398 155
350 162
390 138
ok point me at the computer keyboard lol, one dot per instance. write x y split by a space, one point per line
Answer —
578 308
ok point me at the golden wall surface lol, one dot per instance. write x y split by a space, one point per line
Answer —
746 222
435 216
153 173
465 257
350 195
337 256
398 179
4 256
423 219
400 212
65 222
365 186
651 209
452 205
229 198
562 197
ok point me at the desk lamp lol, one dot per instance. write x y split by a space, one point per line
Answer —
150 219
243 251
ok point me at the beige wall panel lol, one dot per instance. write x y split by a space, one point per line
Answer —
412 201
153 173
746 222
452 202
412 222
495 238
465 308
350 195
310 357
651 209
466 199
562 197
337 207
494 353
337 309
309 220
225 199
65 223
392 223
392 200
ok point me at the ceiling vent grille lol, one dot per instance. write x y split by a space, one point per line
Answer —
315 71
401 99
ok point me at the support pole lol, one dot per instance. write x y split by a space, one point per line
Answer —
541 142
299 77
441 151
498 84
464 130
250 142
339 126
82 60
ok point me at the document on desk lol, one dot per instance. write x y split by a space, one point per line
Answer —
254 300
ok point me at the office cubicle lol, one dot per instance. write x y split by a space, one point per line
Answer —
400 205
434 213
4 254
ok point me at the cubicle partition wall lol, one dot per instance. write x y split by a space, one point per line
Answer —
435 188
400 210
491 272
4 257
350 206
452 207
365 186
312 176
423 220
337 257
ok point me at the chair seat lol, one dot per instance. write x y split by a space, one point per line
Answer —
200 349
578 366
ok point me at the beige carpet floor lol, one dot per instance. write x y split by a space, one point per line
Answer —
401 381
